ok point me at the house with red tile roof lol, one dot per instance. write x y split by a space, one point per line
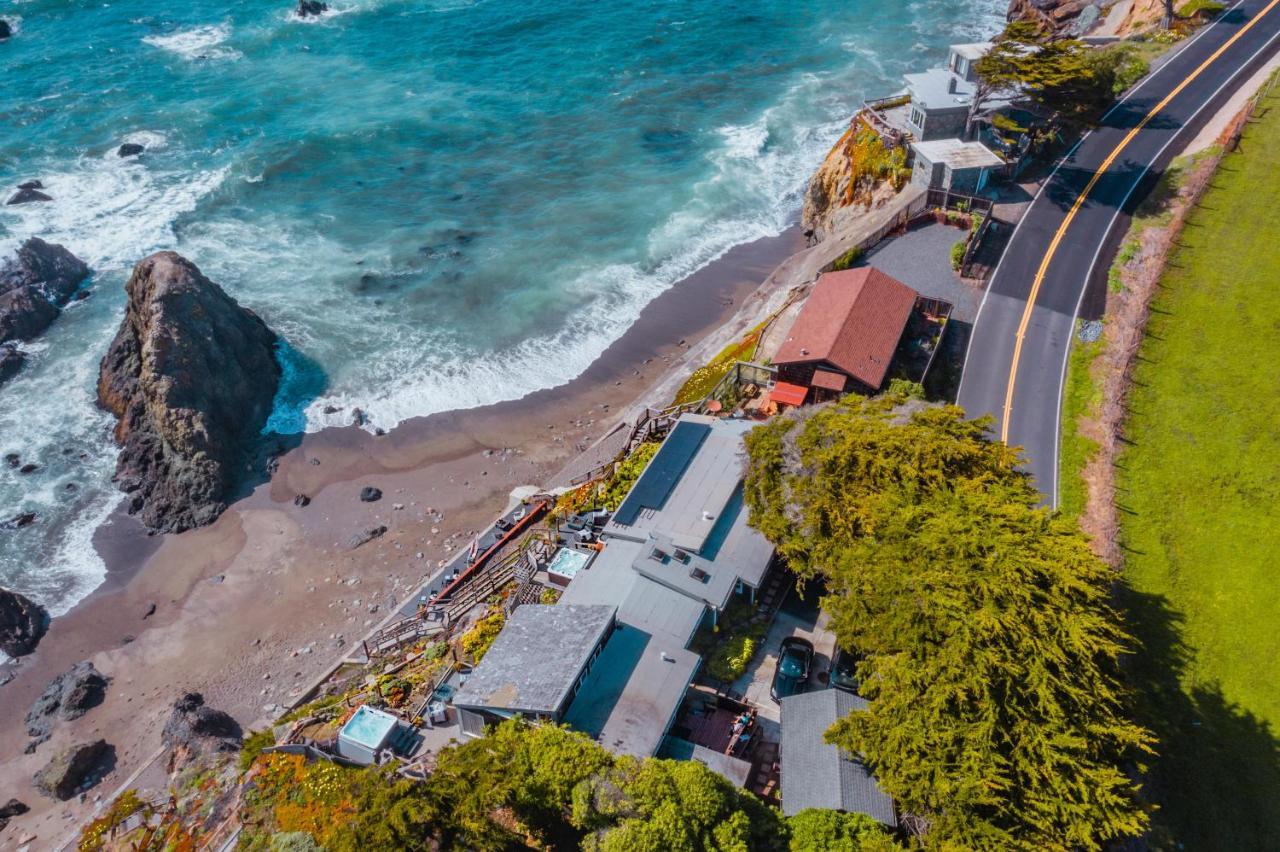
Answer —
847 332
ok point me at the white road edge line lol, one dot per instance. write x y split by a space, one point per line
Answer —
1061 162
1066 356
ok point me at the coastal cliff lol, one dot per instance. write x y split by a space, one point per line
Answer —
191 375
860 173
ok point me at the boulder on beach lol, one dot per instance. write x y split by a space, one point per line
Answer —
22 623
75 769
11 809
191 375
365 536
369 494
68 696
130 149
35 286
311 8
194 729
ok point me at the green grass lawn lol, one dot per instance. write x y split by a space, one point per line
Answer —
1199 493
1080 396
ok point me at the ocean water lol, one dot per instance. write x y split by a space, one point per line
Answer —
438 203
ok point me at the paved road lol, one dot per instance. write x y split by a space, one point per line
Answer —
1018 352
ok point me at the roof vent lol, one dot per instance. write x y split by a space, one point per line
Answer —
707 516
804 351
951 84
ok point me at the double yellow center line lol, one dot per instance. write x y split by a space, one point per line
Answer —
1083 196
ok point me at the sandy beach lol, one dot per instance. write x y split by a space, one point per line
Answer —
249 609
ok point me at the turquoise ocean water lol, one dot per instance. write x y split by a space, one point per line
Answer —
438 203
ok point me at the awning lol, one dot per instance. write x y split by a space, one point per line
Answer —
788 394
828 380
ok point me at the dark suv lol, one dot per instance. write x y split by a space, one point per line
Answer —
795 657
844 670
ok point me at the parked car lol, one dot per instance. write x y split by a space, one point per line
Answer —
844 670
795 657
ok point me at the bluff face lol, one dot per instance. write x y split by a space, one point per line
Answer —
191 376
1061 17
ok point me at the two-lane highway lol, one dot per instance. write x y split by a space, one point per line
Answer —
1016 364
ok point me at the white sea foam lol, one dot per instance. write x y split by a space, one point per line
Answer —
202 42
110 211
759 170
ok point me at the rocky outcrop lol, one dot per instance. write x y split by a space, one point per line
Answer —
311 8
68 696
5 29
194 730
1061 17
11 809
35 286
11 361
28 192
22 623
74 770
191 376
830 205
130 149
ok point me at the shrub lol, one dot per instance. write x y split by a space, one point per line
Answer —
253 746
1205 8
905 387
628 472
732 656
957 254
293 841
477 641
848 259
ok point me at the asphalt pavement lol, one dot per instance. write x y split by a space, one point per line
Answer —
1017 357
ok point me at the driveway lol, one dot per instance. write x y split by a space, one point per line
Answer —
796 617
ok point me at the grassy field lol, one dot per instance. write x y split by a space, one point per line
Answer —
1080 397
1199 493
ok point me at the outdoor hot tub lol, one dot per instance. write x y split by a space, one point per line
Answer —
566 564
365 734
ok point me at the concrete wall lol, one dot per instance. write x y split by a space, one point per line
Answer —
942 124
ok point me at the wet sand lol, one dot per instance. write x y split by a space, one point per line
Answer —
252 607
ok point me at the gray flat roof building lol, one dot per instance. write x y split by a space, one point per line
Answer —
816 774
539 660
678 544
687 509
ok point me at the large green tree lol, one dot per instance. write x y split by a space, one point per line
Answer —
992 652
1062 76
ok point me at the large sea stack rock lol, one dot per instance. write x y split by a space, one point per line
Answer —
22 623
35 286
191 375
